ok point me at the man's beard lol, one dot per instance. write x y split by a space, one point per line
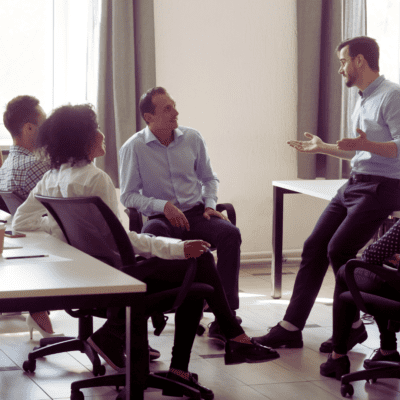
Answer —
350 81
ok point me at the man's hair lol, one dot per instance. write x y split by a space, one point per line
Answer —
19 111
67 135
146 101
364 45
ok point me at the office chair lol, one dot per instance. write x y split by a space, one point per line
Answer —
12 201
373 304
89 225
136 224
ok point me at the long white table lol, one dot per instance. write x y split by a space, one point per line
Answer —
69 278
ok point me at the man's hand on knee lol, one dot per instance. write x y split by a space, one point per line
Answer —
211 212
195 248
176 216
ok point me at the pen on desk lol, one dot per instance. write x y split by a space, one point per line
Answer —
13 258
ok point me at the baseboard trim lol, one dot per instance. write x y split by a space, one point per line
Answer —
266 256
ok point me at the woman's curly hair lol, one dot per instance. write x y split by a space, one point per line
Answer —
67 135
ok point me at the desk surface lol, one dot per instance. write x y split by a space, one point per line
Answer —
320 188
67 271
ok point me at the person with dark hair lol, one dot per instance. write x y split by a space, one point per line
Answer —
70 138
384 251
166 174
22 170
362 203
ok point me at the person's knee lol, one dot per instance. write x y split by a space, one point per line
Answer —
232 235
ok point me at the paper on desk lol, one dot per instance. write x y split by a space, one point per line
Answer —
9 244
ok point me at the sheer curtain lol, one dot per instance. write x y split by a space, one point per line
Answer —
383 24
49 50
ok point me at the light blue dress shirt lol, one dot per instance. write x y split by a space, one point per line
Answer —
152 174
377 113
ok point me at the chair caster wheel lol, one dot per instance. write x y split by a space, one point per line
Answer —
78 395
99 370
29 365
200 330
346 389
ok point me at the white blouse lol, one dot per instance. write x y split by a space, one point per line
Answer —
82 180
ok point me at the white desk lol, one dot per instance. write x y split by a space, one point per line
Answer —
79 280
322 189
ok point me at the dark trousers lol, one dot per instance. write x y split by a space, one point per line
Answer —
344 312
345 226
161 275
219 233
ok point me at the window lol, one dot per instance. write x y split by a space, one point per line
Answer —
49 50
383 24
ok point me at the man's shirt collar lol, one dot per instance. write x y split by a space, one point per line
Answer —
150 137
371 88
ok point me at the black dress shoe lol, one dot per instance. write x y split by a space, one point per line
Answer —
215 332
281 337
237 353
357 335
193 382
378 356
335 368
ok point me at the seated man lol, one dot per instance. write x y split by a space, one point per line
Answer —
22 170
166 174
382 251
71 139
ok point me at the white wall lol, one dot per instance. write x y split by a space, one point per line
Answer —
231 67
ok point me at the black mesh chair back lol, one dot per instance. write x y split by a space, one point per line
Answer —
12 200
91 226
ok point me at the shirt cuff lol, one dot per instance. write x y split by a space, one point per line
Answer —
159 205
210 203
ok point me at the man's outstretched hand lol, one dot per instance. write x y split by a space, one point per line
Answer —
311 146
352 144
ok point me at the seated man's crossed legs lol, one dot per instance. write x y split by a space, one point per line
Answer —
221 234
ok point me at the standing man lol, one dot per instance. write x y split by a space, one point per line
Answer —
363 203
166 174
22 170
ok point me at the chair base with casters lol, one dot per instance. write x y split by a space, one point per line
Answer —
156 380
374 305
56 345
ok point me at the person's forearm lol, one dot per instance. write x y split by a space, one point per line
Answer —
334 151
384 149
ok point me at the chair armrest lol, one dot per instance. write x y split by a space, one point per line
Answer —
230 210
388 274
135 219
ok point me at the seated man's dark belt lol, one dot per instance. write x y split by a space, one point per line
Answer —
354 178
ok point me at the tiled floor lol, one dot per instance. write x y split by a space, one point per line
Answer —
295 375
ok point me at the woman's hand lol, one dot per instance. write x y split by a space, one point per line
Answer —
195 248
